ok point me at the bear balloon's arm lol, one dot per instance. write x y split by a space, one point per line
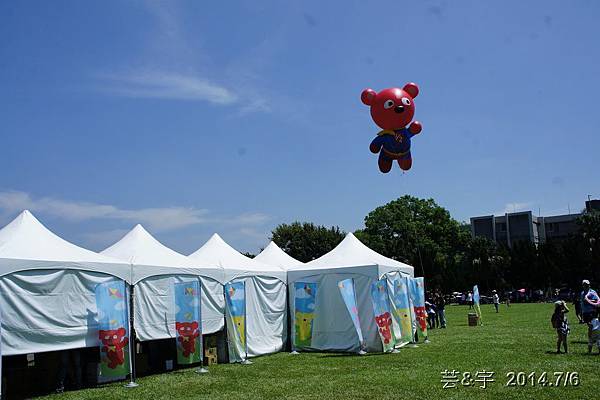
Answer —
415 128
125 341
376 144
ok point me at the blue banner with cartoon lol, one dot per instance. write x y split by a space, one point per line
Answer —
476 297
402 310
476 300
349 295
113 328
235 298
383 316
305 295
417 294
188 323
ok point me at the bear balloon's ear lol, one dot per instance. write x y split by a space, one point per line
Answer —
368 96
412 89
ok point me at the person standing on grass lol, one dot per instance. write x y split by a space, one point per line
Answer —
440 303
470 300
594 335
589 305
577 304
496 300
561 324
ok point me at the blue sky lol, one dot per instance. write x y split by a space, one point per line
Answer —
195 117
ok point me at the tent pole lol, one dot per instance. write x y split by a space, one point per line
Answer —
246 361
292 317
201 370
132 383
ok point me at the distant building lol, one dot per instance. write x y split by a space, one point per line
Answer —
514 227
592 205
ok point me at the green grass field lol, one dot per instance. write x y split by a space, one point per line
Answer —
519 339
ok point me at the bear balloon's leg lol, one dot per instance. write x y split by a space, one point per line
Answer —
405 162
385 164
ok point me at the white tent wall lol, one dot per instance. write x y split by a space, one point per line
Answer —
266 318
156 268
333 329
266 306
332 326
154 306
47 289
49 310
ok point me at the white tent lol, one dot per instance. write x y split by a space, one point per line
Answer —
47 288
332 327
155 269
265 297
273 255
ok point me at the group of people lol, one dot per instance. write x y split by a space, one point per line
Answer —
586 310
435 306
468 298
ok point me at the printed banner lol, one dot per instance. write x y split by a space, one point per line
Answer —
113 328
349 295
402 311
188 323
383 316
305 295
476 299
0 353
235 297
417 293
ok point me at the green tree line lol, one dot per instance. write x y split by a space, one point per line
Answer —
423 234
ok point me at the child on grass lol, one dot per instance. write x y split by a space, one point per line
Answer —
594 335
561 324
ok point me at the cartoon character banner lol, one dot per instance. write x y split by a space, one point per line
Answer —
402 311
349 295
305 295
113 328
417 293
235 297
383 316
188 324
476 299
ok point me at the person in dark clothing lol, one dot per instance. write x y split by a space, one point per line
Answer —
440 304
577 305
70 362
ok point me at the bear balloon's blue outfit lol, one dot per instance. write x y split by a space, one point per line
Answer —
393 145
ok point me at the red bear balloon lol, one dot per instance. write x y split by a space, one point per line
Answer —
393 110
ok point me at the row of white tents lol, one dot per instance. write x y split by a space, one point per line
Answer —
47 299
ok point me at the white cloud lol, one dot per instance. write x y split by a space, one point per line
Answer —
168 67
245 227
250 219
157 219
166 85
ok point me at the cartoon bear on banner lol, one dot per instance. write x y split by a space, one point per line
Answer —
421 315
384 322
188 332
393 110
114 342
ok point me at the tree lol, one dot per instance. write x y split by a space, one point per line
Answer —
421 233
306 241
